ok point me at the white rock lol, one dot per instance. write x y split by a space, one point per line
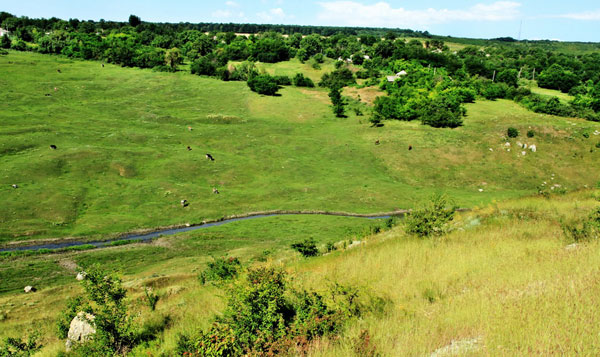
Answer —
507 144
572 246
491 149
523 153
81 329
80 276
481 190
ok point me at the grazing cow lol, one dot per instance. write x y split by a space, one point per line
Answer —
377 142
48 95
189 148
189 128
102 65
184 203
209 157
409 147
53 147
215 191
14 185
58 70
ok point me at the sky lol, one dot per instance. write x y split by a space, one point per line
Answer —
575 20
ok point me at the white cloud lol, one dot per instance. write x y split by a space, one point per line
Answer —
222 14
228 15
272 14
586 16
232 4
352 13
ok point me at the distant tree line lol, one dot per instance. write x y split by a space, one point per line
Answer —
436 81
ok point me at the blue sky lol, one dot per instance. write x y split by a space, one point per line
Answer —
576 20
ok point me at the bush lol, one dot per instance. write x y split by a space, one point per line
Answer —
105 299
579 230
512 132
431 219
20 348
151 299
301 81
307 248
530 134
341 77
264 318
263 84
282 80
220 269
204 66
443 112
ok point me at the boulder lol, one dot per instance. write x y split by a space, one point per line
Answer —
80 276
82 328
29 289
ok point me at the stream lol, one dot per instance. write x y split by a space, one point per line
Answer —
167 232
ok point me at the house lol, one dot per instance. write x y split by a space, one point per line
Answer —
398 75
3 32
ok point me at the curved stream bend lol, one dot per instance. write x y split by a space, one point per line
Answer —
170 231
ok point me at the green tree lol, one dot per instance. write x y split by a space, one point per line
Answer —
508 76
5 42
337 101
105 299
556 77
134 20
263 84
173 58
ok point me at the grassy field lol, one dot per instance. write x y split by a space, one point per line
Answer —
504 282
122 163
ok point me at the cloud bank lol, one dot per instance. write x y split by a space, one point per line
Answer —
382 14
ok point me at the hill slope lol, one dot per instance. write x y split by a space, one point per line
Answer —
121 161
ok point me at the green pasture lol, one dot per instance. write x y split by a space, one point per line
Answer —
121 161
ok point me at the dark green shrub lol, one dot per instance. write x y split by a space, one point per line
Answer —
263 84
442 112
301 81
579 230
204 66
5 42
220 269
512 132
307 248
105 299
282 80
598 145
341 77
530 134
20 348
431 219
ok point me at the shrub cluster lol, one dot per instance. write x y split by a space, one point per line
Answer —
264 316
431 219
220 269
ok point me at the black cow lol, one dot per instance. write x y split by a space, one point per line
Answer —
189 148
215 191
53 147
210 157
409 147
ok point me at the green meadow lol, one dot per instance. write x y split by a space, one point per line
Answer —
122 163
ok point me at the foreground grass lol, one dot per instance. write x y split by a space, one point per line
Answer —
503 279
